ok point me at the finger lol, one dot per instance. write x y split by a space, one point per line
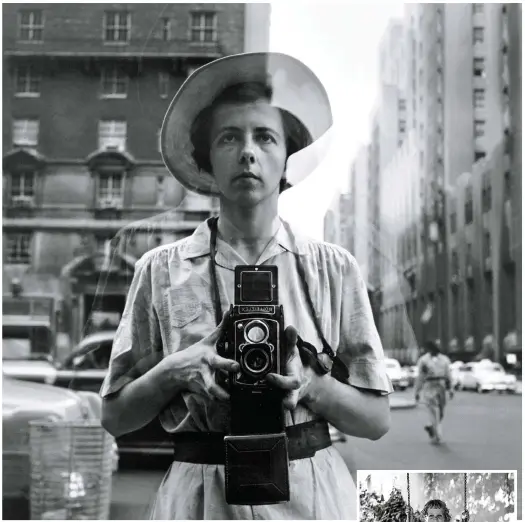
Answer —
221 363
218 392
214 336
284 382
291 334
291 400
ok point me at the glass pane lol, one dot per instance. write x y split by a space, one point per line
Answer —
37 17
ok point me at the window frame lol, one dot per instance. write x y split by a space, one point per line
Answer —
30 77
28 247
483 70
479 101
23 176
31 27
166 29
201 28
115 70
479 128
480 31
111 192
30 145
116 27
113 135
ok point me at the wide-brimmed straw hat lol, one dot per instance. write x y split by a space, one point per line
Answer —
295 88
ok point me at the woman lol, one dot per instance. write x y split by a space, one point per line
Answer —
434 379
229 133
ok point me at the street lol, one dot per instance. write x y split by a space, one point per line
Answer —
482 432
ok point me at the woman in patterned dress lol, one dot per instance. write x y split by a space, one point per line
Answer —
231 132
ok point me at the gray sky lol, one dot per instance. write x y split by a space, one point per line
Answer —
339 41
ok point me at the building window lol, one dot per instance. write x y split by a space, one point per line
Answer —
114 82
479 128
479 98
487 246
402 126
112 134
453 222
19 249
479 67
110 190
166 29
164 84
454 262
117 26
477 8
507 188
203 27
469 209
27 82
478 155
22 186
478 34
31 25
402 105
486 198
25 133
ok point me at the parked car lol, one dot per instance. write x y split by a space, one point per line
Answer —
484 376
84 369
455 371
23 402
396 374
411 373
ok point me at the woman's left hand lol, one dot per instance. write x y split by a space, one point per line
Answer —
297 378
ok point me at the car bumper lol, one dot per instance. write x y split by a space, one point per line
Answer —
498 387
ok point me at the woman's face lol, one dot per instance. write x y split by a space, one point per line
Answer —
248 151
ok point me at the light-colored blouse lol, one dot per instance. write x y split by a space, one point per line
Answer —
170 307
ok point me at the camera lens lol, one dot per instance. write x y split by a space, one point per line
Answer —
256 332
256 360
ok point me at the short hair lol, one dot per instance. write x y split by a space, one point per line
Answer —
297 136
437 504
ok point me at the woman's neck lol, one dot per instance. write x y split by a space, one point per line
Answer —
248 226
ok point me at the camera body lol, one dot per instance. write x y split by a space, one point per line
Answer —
257 446
254 334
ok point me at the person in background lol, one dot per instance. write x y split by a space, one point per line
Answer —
433 381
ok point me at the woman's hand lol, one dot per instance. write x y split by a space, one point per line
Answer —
297 378
195 367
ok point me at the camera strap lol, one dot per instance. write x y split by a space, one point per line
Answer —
324 362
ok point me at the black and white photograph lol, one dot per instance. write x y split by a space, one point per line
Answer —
443 497
253 249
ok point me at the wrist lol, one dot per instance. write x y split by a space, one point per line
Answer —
168 376
313 381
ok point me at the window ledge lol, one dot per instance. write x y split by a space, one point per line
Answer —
27 95
113 96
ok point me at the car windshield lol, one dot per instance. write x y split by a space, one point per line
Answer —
23 343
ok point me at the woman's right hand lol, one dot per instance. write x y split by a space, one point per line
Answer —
195 367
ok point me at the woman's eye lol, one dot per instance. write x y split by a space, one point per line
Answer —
266 138
228 138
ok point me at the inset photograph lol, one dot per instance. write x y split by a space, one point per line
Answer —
416 496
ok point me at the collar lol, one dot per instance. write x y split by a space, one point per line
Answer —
198 244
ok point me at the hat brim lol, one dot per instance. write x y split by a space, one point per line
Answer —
295 88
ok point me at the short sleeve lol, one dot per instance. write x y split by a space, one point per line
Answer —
360 347
137 346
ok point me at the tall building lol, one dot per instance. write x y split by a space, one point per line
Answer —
463 100
85 90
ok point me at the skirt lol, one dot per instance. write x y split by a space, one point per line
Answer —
321 487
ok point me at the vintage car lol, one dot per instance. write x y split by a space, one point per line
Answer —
485 376
23 402
397 376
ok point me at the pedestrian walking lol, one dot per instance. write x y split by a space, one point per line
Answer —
229 133
433 381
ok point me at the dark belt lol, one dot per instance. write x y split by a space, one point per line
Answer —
433 378
304 440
